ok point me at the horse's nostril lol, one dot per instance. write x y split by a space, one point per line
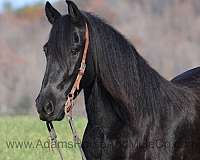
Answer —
49 108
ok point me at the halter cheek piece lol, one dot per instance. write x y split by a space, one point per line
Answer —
69 103
70 97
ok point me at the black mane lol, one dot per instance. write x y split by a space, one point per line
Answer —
142 87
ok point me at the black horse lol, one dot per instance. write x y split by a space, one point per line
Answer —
133 112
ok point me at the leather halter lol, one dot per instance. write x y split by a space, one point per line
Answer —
69 103
76 85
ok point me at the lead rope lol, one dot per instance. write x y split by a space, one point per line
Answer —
69 105
53 138
76 138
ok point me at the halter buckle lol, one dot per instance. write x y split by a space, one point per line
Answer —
83 66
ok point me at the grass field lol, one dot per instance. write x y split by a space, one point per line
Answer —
26 138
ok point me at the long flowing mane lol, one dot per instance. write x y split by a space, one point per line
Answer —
130 79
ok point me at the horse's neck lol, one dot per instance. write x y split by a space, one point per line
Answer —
128 80
121 95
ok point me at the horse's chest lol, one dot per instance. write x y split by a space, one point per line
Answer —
100 110
103 130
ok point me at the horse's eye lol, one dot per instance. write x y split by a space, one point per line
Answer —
76 38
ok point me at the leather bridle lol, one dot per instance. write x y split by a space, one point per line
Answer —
69 103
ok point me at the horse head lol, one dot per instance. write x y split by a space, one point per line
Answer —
63 51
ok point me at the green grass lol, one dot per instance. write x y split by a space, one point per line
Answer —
26 130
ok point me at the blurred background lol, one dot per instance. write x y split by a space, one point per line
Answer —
165 32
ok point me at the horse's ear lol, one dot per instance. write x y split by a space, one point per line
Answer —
51 13
74 12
